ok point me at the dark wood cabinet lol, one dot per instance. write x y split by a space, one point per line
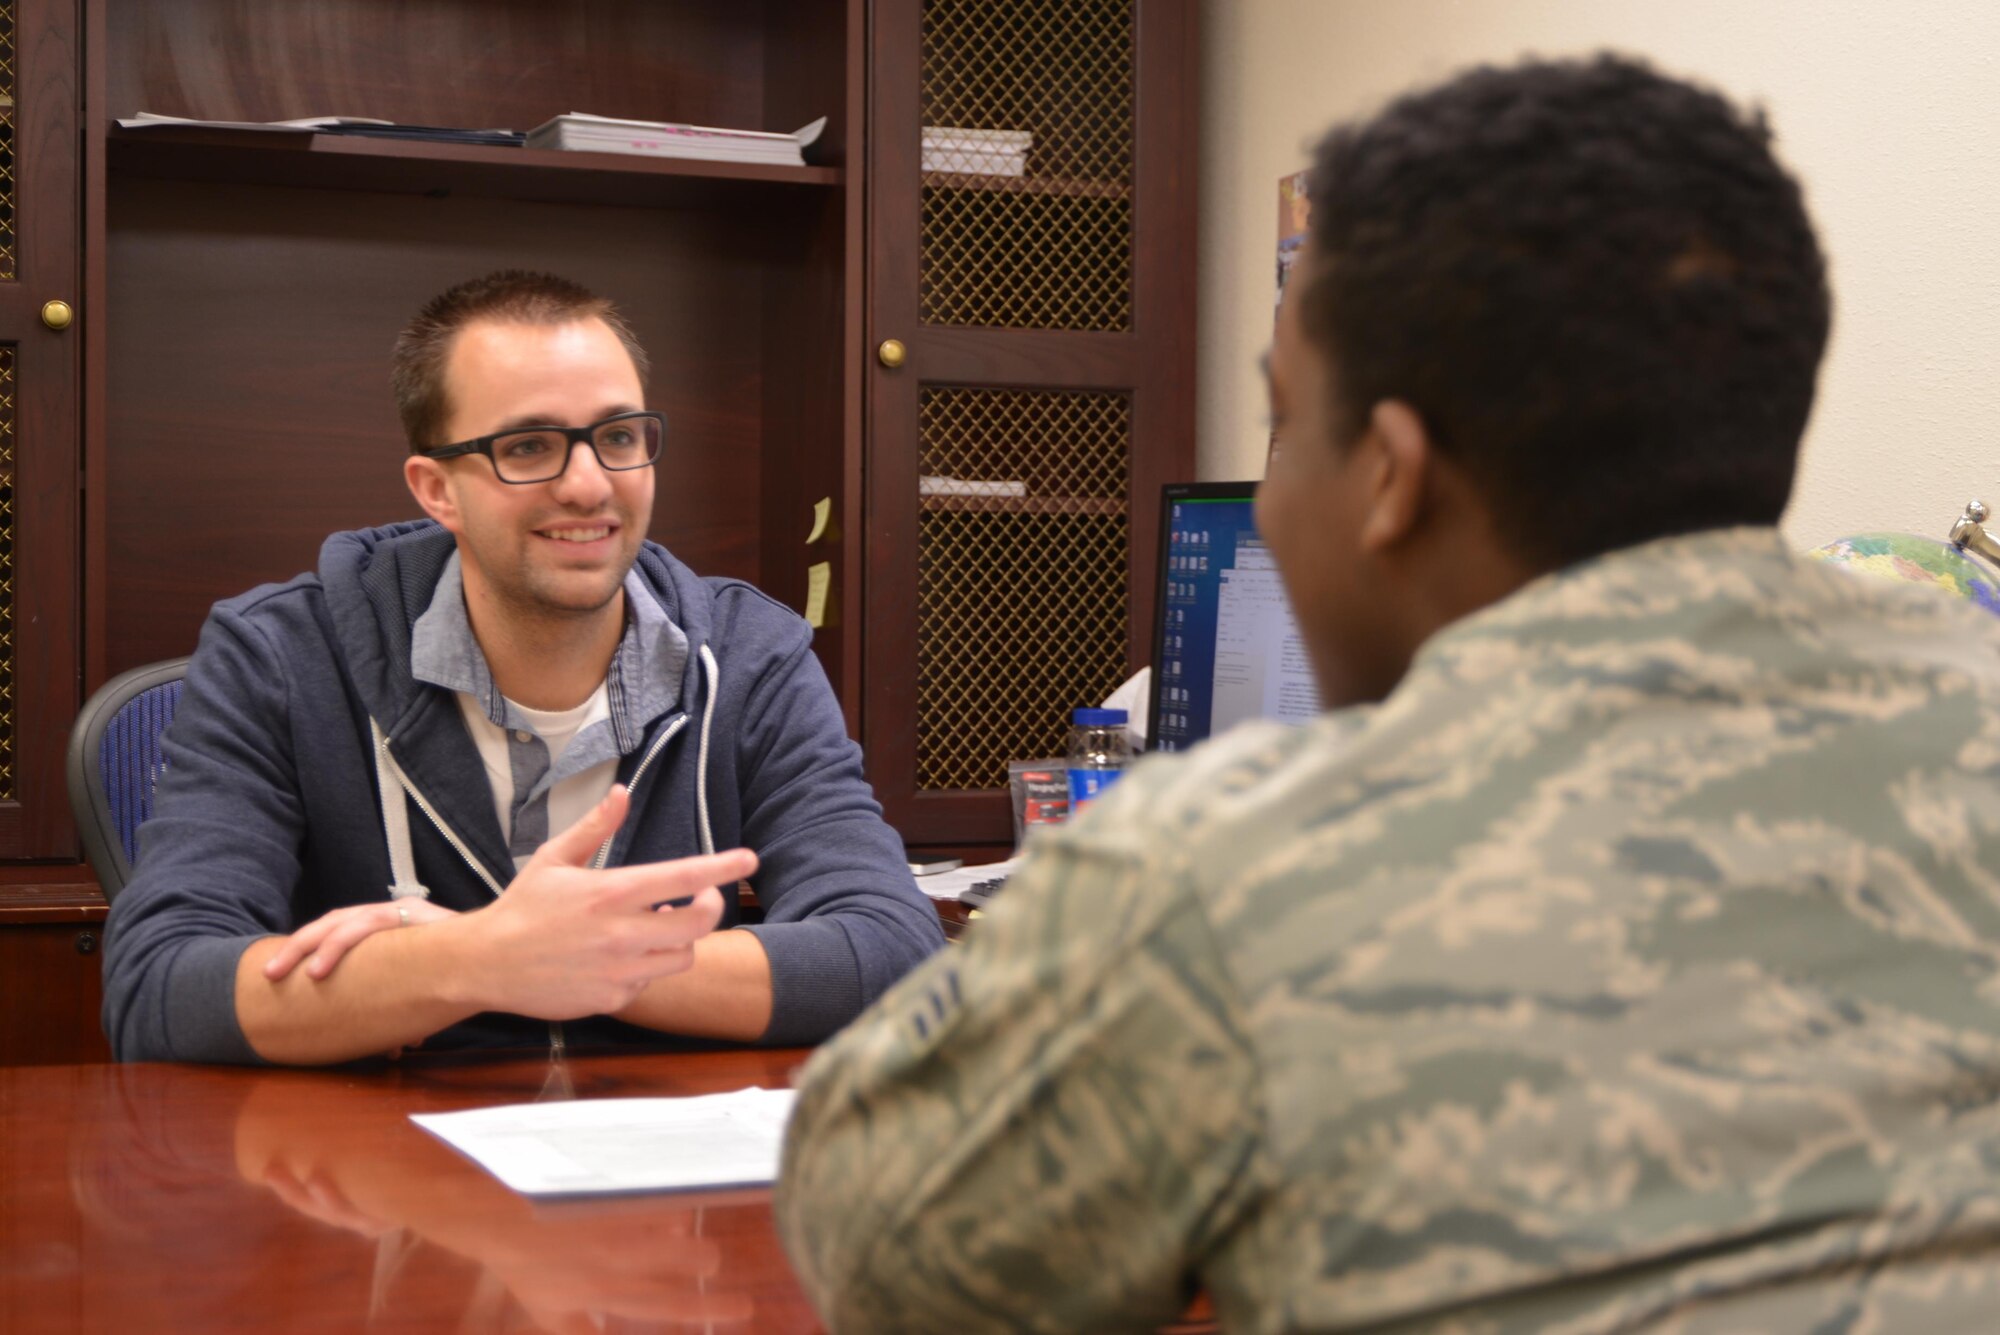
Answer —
221 403
1046 311
255 282
49 914
51 941
39 362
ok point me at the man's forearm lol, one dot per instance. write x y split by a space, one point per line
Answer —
727 994
392 990
563 943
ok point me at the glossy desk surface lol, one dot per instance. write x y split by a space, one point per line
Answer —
167 1198
197 1198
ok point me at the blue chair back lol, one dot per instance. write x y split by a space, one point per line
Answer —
114 762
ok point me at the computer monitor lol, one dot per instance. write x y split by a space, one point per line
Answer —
1225 647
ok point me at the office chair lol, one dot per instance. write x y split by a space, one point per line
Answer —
114 761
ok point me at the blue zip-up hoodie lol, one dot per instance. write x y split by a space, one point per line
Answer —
267 815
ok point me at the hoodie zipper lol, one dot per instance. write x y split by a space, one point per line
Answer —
604 849
557 1043
667 734
450 837
557 1046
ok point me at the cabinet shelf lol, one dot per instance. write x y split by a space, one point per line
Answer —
1024 505
394 166
46 894
1027 185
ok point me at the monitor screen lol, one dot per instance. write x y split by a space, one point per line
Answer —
1225 648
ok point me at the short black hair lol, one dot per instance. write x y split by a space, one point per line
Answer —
1595 285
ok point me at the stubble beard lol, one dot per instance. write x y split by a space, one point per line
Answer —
548 597
554 599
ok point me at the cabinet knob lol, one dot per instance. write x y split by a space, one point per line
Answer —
891 353
57 314
86 943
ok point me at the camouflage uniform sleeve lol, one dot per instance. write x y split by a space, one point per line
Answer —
1044 1129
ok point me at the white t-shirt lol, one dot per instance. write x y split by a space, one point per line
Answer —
570 798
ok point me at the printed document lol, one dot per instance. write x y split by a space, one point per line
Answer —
952 884
596 1146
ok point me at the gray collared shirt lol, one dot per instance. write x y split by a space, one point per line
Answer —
643 682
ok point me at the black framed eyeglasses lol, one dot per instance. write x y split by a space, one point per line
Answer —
541 453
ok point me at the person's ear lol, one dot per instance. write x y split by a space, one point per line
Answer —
427 482
1400 464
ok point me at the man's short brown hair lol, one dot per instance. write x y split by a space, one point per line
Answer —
506 296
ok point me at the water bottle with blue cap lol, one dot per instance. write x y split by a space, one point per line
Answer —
1098 752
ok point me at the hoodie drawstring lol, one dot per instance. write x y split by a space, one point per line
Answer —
701 761
391 785
395 821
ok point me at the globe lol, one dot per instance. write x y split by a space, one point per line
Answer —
1915 560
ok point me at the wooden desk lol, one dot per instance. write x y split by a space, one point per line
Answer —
164 1198
192 1198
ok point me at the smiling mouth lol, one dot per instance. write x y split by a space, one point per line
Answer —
592 534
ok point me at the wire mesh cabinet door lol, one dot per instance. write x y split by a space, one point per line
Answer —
1031 378
40 329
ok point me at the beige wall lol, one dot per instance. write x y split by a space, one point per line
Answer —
1889 110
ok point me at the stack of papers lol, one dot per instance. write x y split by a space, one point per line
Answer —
976 152
952 884
603 134
597 1146
350 125
959 486
147 120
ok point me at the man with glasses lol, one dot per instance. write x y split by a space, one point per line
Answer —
522 732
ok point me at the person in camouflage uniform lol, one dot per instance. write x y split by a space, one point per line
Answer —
1622 952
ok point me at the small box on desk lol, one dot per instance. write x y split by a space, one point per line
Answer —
1040 792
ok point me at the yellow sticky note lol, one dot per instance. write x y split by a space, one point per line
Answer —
822 515
819 579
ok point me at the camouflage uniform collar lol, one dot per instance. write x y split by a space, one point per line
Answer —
1608 594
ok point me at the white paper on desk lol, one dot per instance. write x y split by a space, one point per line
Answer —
597 1146
952 884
